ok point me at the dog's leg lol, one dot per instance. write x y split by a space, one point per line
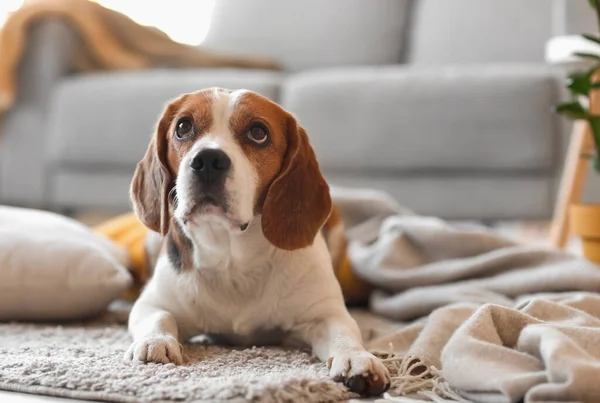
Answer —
154 333
337 341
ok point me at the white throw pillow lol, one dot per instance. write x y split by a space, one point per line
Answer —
55 268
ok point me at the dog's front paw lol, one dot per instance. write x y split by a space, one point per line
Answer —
360 371
159 349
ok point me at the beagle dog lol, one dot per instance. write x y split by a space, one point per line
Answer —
232 184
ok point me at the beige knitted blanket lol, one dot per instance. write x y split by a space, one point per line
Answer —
487 319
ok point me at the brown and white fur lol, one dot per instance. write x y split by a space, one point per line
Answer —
232 183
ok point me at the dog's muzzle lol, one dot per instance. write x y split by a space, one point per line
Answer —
210 166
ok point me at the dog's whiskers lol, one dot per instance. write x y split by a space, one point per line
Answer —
174 196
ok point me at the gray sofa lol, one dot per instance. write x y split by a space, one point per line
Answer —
446 104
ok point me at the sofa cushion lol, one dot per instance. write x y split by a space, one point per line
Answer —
84 189
311 33
462 197
107 119
400 118
480 31
574 17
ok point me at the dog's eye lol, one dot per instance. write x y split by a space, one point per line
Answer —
184 128
258 134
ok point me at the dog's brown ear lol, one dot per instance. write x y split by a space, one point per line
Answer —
152 180
298 201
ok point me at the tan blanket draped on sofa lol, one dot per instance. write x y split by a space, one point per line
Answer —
109 40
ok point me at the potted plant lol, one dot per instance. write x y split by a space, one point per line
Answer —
584 87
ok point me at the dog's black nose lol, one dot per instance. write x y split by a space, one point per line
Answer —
210 164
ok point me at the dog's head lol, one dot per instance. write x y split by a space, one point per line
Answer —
231 157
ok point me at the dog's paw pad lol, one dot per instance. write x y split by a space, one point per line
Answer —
361 372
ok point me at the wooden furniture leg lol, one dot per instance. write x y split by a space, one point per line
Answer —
572 181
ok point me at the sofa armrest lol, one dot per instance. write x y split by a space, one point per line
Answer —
22 142
46 60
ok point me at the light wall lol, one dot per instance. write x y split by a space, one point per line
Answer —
185 21
8 6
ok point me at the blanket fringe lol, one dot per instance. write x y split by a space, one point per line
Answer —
411 376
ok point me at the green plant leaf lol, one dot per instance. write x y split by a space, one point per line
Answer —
592 38
580 83
596 163
587 55
588 156
594 122
595 126
573 110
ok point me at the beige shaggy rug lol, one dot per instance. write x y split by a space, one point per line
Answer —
84 361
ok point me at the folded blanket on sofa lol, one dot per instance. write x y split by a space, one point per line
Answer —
484 318
109 40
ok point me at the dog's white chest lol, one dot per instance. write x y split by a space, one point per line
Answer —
226 300
242 288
